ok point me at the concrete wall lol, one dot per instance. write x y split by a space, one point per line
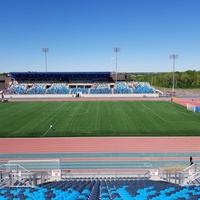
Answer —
18 96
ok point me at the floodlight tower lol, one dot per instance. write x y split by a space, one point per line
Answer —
174 57
45 50
116 49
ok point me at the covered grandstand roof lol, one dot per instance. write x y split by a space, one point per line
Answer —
79 75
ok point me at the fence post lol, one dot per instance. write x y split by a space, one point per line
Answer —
167 176
170 177
34 179
181 177
175 177
11 179
30 180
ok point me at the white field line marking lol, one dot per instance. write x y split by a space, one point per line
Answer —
148 115
46 132
154 113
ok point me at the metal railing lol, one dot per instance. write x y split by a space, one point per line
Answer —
192 174
189 176
14 175
107 175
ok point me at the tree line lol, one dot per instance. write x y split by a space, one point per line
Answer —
187 79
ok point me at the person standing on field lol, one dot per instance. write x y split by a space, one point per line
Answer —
2 95
191 160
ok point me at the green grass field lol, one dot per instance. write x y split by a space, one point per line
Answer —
97 118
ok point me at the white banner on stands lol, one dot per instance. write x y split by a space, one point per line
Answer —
56 172
154 172
191 172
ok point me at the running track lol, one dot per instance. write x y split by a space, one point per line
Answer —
99 145
84 151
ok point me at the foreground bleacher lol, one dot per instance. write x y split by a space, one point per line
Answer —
104 190
18 183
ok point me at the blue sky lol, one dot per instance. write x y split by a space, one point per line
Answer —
81 34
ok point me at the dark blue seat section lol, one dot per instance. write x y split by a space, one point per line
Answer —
104 189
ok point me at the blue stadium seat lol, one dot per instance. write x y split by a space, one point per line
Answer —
17 89
122 88
83 90
58 88
37 89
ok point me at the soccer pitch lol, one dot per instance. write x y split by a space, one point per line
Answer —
97 118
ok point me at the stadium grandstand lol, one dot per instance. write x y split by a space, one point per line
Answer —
74 83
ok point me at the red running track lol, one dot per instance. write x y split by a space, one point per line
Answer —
99 144
185 101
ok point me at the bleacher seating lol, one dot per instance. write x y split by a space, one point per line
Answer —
96 88
100 88
82 90
121 88
58 88
37 88
17 89
142 87
103 189
100 91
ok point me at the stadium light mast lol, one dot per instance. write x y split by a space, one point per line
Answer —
45 50
174 57
116 49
